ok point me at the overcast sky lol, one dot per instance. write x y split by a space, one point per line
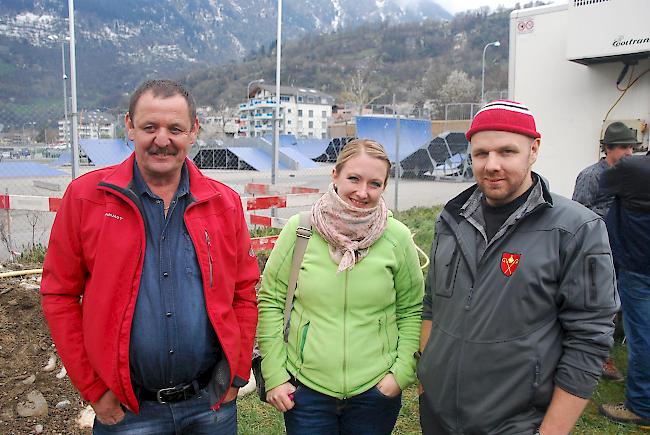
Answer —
454 6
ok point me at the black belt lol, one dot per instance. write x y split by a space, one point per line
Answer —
178 393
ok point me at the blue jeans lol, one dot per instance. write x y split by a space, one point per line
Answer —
368 413
191 416
634 290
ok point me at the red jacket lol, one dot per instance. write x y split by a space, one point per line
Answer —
96 250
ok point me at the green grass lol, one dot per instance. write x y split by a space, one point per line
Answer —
264 231
591 421
421 221
256 417
33 255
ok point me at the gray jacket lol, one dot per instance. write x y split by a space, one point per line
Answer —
588 192
513 318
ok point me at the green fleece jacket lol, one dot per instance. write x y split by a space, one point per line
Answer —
347 329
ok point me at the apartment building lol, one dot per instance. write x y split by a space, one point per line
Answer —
303 112
92 124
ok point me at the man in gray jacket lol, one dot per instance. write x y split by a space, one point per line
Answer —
520 297
618 142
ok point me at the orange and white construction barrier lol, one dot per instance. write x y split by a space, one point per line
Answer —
299 197
25 202
270 189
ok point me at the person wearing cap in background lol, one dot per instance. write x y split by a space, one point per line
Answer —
628 222
617 143
520 297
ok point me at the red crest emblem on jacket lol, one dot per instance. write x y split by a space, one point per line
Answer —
509 263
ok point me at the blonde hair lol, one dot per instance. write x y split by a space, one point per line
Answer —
362 146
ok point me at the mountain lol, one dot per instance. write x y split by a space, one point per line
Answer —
413 61
118 44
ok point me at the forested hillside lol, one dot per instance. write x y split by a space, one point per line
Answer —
431 60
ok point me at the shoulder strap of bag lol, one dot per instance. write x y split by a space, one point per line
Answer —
303 233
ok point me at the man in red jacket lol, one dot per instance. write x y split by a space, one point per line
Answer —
149 281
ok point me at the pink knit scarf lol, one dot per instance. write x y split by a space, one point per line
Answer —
348 230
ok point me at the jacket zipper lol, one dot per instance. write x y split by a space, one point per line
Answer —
458 376
345 309
593 293
462 333
207 241
536 381
538 370
460 359
129 196
469 299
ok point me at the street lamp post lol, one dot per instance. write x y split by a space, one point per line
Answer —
276 118
496 44
66 127
73 92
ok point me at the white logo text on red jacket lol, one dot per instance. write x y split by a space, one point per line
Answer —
114 216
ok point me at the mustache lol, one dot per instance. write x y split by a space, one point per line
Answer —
155 151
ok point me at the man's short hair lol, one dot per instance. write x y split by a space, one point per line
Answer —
164 89
612 146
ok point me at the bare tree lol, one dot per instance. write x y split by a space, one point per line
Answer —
5 236
223 114
34 218
358 89
433 80
458 88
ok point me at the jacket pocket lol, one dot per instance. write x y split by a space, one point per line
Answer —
382 336
303 341
446 275
537 376
599 286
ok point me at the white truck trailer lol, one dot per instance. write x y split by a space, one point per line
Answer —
565 62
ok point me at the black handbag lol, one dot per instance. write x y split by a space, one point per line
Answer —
303 233
257 374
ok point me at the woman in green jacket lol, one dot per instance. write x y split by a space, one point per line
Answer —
355 321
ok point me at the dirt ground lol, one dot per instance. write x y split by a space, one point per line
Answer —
25 350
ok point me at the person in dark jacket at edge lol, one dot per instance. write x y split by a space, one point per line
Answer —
618 142
149 281
628 224
520 297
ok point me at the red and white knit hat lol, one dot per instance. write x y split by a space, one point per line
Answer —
504 115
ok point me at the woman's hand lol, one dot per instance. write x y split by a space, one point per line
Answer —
388 386
281 397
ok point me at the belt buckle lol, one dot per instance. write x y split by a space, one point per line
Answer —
163 391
